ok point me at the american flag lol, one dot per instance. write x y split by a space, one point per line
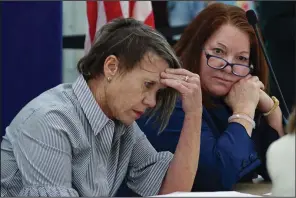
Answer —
101 12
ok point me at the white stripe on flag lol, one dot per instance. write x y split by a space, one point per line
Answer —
142 10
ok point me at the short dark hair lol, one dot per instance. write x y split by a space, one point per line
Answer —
129 40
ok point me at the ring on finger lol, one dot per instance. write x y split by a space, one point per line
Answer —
186 78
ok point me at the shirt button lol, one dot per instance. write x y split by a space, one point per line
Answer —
253 157
245 163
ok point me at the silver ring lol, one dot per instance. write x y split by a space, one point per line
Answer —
186 78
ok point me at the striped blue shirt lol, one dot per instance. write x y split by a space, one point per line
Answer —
62 144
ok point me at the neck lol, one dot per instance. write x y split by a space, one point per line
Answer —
98 88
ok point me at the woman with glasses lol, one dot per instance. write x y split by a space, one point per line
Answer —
240 119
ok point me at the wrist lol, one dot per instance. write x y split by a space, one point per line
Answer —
246 111
246 124
266 106
192 117
192 122
196 113
274 105
242 116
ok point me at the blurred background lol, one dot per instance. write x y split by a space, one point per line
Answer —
41 43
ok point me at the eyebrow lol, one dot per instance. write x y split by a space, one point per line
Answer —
156 81
153 79
244 52
224 46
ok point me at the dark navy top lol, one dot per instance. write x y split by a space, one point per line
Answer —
227 153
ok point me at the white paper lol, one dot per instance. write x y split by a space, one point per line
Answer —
208 194
268 194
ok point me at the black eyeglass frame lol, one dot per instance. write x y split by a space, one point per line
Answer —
208 56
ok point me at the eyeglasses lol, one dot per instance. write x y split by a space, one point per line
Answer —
217 62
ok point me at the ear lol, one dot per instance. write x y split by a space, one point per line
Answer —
111 65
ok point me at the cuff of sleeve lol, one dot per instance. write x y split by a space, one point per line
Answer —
240 143
152 175
4 192
241 147
48 191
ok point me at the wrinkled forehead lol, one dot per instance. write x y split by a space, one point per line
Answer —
151 67
153 63
230 37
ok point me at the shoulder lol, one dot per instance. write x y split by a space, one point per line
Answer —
285 144
281 162
54 125
52 109
53 101
52 118
280 152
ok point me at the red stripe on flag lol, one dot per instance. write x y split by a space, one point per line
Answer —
92 16
150 20
131 8
112 9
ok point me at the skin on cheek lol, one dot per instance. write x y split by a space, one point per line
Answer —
125 95
213 87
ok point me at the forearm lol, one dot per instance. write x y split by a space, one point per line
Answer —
224 159
275 119
182 170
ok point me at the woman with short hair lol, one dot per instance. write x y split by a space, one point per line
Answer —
81 139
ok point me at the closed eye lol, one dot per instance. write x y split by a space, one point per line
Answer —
148 84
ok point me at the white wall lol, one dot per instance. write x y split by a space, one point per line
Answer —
74 23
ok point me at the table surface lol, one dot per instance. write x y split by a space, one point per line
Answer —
259 188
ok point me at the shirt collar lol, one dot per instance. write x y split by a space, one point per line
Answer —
96 117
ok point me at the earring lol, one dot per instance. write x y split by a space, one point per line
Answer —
108 79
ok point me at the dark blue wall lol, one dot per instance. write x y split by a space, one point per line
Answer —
31 53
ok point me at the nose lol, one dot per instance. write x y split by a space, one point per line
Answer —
150 100
228 69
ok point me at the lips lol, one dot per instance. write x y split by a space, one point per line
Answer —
223 79
138 113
